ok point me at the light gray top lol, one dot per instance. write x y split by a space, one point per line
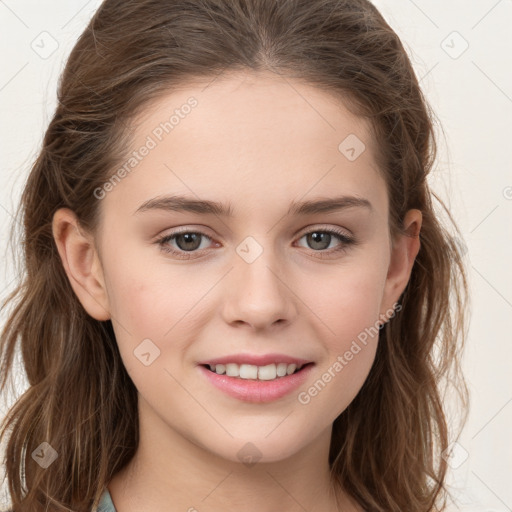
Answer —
106 504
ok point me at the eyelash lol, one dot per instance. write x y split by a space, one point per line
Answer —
340 235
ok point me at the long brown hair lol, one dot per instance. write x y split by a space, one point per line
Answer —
388 446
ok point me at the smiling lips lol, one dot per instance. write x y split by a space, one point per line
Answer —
256 378
261 367
250 371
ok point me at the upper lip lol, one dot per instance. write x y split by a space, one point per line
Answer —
255 359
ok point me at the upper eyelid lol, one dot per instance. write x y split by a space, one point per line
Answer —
320 227
300 234
203 231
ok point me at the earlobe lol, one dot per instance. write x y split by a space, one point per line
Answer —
81 263
403 254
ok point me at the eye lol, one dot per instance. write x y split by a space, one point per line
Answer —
188 243
320 240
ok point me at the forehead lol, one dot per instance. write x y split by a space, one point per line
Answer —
260 106
250 138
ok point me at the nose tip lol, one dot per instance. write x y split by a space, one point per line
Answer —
259 297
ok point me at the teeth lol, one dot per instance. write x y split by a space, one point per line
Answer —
268 372
291 368
281 369
247 371
232 370
250 371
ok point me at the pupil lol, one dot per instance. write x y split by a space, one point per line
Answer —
189 238
315 238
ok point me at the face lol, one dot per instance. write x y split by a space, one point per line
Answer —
259 282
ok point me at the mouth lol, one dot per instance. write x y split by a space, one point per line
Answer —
256 383
269 372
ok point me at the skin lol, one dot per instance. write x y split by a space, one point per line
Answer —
259 142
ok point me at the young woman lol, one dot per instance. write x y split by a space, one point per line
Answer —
237 292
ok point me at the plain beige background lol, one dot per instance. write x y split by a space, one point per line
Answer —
462 53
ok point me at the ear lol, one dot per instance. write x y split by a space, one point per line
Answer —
404 250
81 263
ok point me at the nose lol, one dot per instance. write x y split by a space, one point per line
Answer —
258 294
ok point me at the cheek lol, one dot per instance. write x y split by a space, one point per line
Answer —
148 298
161 304
150 319
348 301
138 307
350 314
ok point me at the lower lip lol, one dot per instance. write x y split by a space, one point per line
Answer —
249 390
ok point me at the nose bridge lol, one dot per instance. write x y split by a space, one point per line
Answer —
260 297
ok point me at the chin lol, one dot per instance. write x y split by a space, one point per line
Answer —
250 450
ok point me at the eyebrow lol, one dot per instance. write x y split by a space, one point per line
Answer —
206 207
